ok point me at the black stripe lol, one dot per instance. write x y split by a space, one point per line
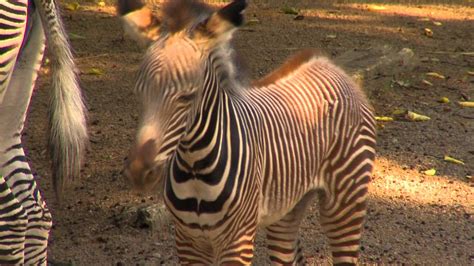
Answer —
25 171
4 26
13 20
14 147
14 11
18 3
6 49
5 36
18 158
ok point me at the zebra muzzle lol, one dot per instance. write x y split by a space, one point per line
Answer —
141 170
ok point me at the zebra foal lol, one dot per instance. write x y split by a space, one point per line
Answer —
25 220
231 157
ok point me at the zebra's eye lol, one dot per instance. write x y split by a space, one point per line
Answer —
186 97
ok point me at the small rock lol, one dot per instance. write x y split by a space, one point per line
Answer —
154 216
101 239
299 17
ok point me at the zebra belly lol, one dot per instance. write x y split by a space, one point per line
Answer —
270 214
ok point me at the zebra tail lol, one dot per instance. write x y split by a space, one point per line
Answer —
67 112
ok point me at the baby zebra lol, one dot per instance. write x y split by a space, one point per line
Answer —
232 157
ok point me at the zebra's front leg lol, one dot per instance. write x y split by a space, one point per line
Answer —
225 250
189 252
284 247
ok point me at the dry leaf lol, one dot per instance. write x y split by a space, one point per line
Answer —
331 36
95 71
469 177
470 73
436 75
72 6
452 160
437 23
427 82
399 111
384 118
466 104
428 32
252 21
412 116
74 36
402 83
430 172
377 7
443 100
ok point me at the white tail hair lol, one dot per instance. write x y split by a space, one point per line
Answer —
67 113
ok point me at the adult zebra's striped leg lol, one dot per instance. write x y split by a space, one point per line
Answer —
284 247
13 223
13 164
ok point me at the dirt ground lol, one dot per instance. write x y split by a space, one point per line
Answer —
413 217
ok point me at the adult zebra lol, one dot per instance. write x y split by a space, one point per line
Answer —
25 220
234 157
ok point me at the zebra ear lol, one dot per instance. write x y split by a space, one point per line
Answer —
224 20
138 21
233 12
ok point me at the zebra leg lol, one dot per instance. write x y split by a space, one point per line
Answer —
282 237
13 27
195 249
13 223
191 253
342 212
283 244
13 162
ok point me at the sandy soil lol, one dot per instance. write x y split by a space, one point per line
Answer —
413 217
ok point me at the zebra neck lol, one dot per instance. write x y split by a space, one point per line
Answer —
207 163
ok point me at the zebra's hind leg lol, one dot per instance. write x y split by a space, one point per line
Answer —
342 212
13 162
282 241
13 222
282 237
